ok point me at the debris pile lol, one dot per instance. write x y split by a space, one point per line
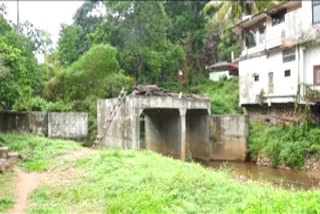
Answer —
7 159
154 90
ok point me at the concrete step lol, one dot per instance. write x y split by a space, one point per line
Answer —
12 158
4 152
3 164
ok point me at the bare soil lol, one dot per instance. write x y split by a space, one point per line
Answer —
26 182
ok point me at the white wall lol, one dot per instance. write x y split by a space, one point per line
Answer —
284 87
311 58
306 18
216 76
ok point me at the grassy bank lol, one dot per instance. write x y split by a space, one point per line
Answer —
38 152
115 181
286 144
6 192
223 95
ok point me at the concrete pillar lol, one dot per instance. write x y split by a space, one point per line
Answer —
183 133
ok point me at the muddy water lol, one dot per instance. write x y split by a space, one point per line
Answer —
278 177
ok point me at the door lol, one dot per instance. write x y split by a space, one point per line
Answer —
270 82
316 75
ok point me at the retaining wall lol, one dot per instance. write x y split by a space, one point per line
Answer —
70 125
229 137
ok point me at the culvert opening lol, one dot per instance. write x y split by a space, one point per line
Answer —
197 134
163 131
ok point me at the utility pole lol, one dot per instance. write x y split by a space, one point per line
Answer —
18 18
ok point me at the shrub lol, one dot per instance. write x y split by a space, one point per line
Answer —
30 104
288 144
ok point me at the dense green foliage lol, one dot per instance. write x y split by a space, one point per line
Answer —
96 74
113 44
146 182
222 95
39 152
20 75
281 143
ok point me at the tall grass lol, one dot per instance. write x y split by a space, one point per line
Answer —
286 144
38 151
115 181
6 191
224 95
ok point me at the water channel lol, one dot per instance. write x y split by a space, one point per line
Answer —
278 177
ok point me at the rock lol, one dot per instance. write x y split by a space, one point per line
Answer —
3 152
13 158
3 164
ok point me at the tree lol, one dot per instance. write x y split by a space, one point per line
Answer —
225 14
188 28
139 31
20 74
68 44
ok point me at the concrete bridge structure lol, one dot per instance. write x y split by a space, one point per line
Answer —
174 125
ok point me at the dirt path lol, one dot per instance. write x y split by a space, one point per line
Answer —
24 184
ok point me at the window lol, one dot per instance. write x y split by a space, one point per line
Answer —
316 75
256 77
250 37
289 55
287 73
261 30
316 11
278 17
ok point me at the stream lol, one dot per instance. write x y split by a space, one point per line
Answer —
278 177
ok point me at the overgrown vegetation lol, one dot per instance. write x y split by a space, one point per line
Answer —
145 182
118 181
6 192
111 45
282 143
38 152
223 95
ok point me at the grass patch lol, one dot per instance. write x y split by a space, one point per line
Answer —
115 181
6 192
223 95
39 151
281 143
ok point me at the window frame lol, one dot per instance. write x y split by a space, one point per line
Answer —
256 77
287 74
286 55
315 67
313 4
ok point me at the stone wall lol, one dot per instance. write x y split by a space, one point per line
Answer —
69 125
229 137
30 122
281 113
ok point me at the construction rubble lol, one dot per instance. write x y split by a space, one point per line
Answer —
154 90
7 159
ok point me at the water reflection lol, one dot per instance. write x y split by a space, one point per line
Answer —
278 177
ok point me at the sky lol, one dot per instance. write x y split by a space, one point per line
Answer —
44 15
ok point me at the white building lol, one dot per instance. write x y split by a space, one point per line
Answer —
280 51
222 70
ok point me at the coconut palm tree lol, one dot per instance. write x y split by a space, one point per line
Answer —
233 10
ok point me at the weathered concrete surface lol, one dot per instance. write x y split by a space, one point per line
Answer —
124 131
198 133
67 125
163 131
30 122
71 125
229 137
